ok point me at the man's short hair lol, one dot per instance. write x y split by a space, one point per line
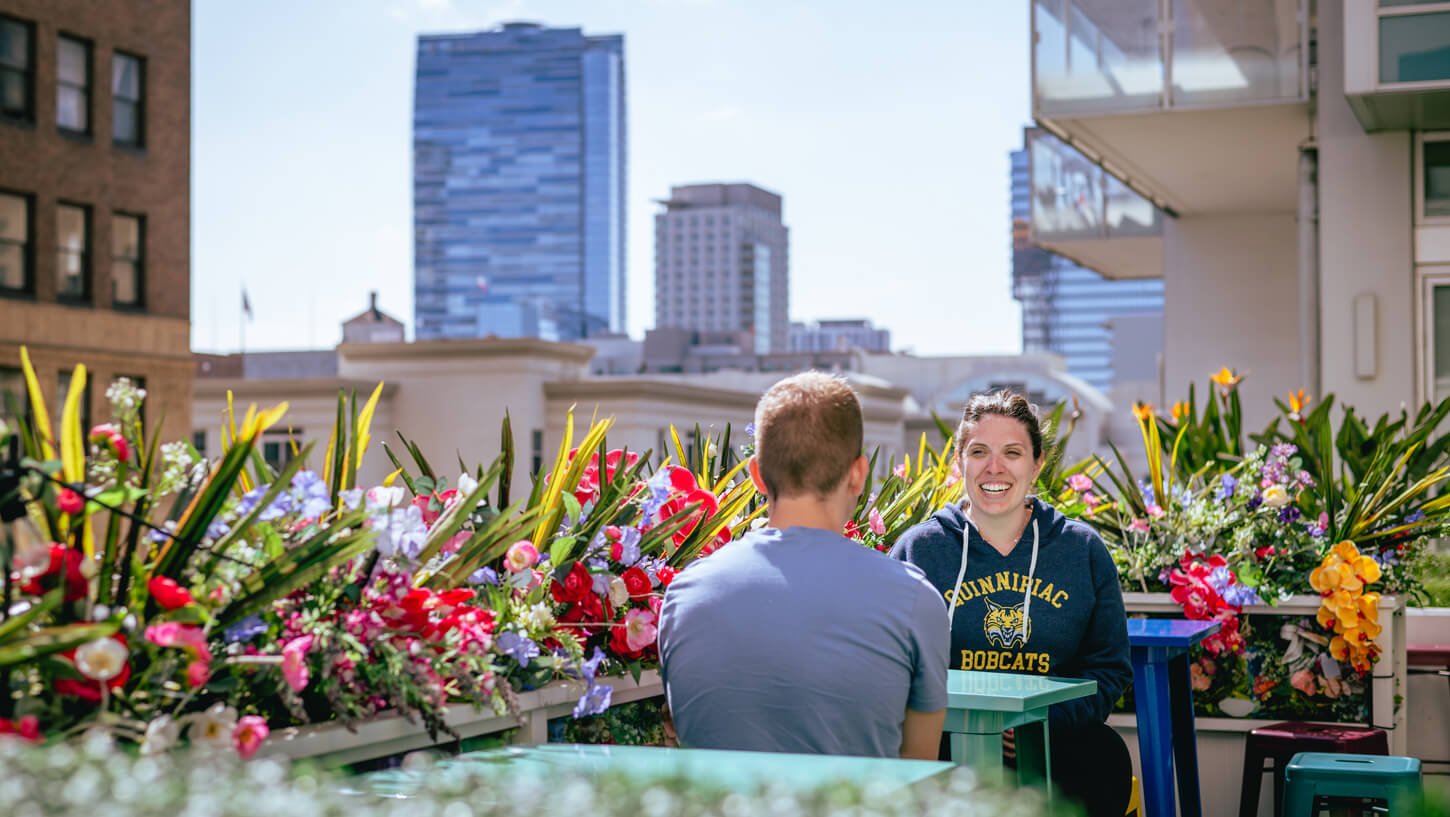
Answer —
808 431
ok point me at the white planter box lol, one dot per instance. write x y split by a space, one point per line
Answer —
392 734
1387 680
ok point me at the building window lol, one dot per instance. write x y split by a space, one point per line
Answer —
278 448
198 441
128 100
17 70
13 399
64 392
73 85
127 259
536 448
73 244
14 243
1435 177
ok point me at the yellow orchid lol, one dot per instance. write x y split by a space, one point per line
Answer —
1346 608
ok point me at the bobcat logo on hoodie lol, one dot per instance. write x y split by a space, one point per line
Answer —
1004 625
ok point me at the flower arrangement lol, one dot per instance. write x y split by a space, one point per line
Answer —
166 599
1223 525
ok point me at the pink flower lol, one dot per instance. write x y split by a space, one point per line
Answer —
294 662
1154 511
248 735
176 634
1079 483
878 526
639 629
1091 499
900 470
1303 680
198 673
1139 526
521 556
1201 680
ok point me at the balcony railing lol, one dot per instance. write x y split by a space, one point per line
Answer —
1074 198
1123 56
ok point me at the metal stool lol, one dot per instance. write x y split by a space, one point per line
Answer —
1279 742
1394 781
1429 659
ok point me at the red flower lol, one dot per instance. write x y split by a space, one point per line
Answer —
852 530
61 558
69 502
576 587
589 611
26 728
168 593
677 505
619 644
637 581
85 688
108 435
665 575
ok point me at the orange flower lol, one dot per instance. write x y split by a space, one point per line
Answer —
1143 411
1298 401
1345 608
1225 378
1180 410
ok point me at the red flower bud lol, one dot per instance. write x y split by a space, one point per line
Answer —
70 502
168 593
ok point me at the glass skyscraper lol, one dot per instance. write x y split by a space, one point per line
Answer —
1067 308
519 184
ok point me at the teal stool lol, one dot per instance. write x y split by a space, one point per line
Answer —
1309 775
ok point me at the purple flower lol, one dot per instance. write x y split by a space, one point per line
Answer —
1254 502
1240 595
590 668
750 430
1220 580
1226 486
483 575
217 529
311 494
1289 514
244 630
594 702
1414 517
521 648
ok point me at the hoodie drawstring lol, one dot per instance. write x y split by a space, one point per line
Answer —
962 572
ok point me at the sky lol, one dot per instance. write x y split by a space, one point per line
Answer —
887 134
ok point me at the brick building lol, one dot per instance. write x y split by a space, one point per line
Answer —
95 160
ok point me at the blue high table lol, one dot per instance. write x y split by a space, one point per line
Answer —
1163 690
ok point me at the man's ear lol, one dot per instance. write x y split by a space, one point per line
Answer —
856 475
752 465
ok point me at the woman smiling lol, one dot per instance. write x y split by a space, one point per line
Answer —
1030 591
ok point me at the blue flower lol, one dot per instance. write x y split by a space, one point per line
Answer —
1219 580
483 575
590 668
1414 517
1240 595
750 430
311 494
1226 486
217 529
244 630
1289 514
594 702
519 647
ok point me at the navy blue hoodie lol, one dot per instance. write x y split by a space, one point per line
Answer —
1076 626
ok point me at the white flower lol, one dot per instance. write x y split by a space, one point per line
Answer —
384 497
102 659
212 729
618 591
1276 497
758 523
538 617
161 735
466 484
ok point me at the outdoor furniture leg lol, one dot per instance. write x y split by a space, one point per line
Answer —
1155 735
1185 747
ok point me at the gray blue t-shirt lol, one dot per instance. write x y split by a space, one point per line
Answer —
801 640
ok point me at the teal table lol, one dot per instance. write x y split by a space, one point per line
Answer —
731 771
981 705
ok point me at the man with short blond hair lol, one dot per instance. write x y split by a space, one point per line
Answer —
795 638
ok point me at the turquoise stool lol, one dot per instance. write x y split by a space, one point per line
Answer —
1395 780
